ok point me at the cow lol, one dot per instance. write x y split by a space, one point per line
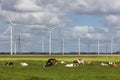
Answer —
62 62
91 63
9 63
70 65
79 61
24 64
50 62
111 64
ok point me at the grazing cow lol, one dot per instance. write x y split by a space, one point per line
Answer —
8 63
23 64
50 62
79 61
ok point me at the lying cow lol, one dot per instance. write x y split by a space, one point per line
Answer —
8 63
62 62
24 64
91 63
79 61
111 64
50 62
70 65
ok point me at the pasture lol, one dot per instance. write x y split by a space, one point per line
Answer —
35 71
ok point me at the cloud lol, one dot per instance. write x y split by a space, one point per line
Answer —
112 20
76 6
113 23
26 5
85 32
96 7
33 12
54 13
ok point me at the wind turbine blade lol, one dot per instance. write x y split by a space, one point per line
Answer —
16 24
7 29
51 28
27 24
9 19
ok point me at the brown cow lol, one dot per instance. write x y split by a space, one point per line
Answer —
50 62
91 62
79 61
111 64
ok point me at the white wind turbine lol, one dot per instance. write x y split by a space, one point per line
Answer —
11 31
15 48
111 45
42 41
11 35
79 42
50 38
63 47
98 42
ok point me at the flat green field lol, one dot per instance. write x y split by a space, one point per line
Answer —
35 71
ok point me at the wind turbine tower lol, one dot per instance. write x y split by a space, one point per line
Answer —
11 35
42 44
19 43
79 50
50 38
111 45
98 44
63 47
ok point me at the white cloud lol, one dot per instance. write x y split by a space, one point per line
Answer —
112 20
113 23
85 32
53 13
96 6
26 5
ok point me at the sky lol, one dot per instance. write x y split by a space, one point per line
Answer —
89 19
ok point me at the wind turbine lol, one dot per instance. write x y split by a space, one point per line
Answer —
111 45
78 43
98 44
63 46
42 44
11 32
15 48
11 35
50 38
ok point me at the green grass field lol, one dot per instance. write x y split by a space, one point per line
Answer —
35 71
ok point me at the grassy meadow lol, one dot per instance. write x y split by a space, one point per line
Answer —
35 71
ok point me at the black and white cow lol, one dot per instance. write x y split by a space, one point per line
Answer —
9 63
